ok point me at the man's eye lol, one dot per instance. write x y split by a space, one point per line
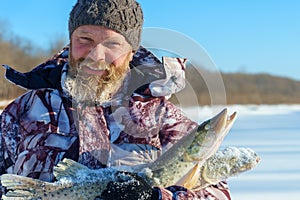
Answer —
85 40
112 44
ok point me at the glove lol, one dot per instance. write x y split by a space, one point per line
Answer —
129 186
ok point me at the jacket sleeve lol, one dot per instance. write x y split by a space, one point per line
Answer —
8 126
2 160
176 125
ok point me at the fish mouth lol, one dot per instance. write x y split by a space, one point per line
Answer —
220 125
217 128
222 122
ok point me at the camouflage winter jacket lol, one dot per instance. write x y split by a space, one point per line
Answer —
43 126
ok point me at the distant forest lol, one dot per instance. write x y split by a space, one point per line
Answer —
22 55
241 88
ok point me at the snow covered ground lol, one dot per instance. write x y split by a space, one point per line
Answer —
274 133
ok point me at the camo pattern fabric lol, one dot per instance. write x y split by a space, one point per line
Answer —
43 126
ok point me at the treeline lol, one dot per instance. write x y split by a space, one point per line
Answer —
22 55
261 89
240 88
19 55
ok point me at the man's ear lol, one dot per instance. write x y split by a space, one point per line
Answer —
131 55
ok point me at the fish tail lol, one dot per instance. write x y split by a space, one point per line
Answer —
21 188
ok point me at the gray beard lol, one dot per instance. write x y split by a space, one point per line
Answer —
92 89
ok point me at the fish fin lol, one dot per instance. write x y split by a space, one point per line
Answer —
189 180
21 188
68 168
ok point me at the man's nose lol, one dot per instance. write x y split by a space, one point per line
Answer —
97 53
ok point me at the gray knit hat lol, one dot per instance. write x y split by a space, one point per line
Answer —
122 16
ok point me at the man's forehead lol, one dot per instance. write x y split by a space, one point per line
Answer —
98 31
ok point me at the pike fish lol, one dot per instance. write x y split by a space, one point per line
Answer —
183 163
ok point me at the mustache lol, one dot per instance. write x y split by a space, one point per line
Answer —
98 65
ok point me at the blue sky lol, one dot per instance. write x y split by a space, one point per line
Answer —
249 36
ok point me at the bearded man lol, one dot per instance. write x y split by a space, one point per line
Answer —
95 103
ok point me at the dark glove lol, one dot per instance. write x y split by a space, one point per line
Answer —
129 186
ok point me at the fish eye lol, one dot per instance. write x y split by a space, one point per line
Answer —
207 127
97 198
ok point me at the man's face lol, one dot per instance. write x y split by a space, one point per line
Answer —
99 60
98 44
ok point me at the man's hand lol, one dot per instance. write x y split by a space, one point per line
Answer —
128 186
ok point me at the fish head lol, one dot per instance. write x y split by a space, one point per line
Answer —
241 160
209 136
225 164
